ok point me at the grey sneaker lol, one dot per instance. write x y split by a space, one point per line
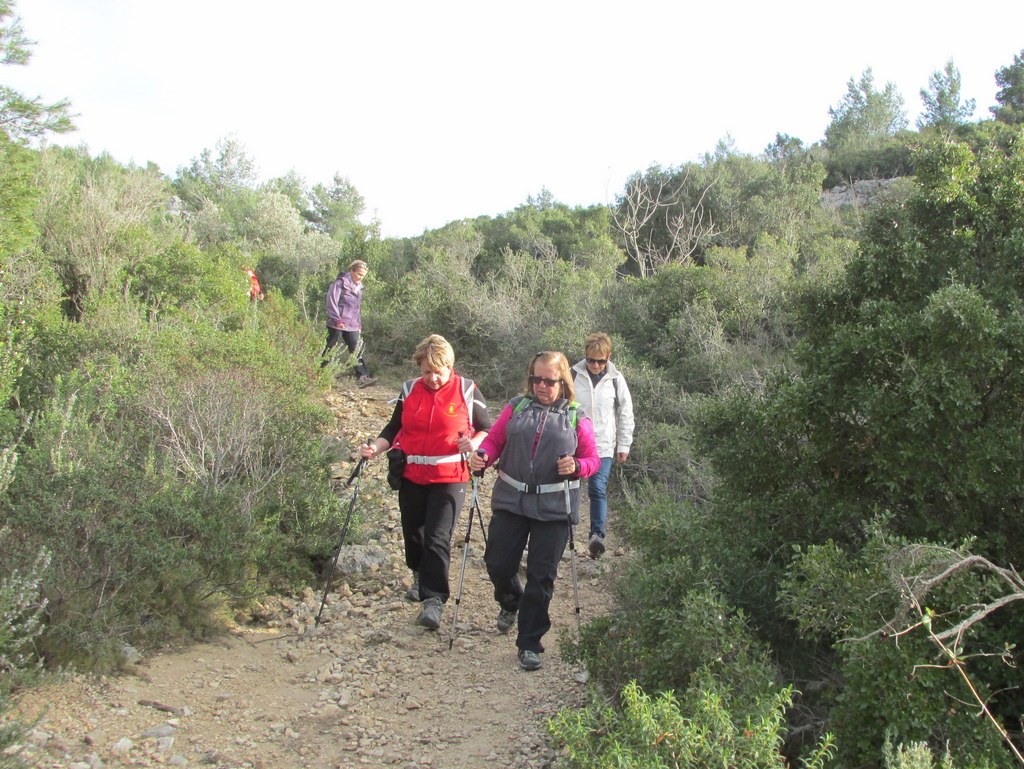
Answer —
365 381
506 620
430 614
529 660
596 545
413 593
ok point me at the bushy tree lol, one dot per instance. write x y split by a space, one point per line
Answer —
1010 95
333 210
487 298
863 137
907 398
943 109
23 117
216 174
730 199
98 221
865 113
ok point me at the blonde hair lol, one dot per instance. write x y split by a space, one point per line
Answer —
436 351
359 264
600 344
560 362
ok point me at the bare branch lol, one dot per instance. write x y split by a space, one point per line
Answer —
930 567
688 228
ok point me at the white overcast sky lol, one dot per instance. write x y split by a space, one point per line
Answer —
438 111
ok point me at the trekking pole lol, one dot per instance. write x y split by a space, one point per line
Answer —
465 557
572 552
475 500
354 478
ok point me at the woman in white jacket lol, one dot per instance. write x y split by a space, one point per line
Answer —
604 395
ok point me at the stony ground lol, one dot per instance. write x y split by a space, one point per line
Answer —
366 687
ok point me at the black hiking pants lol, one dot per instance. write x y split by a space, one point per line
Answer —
429 513
351 340
507 536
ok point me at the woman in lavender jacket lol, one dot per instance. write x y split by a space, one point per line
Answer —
344 317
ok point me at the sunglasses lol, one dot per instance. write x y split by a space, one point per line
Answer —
598 361
536 380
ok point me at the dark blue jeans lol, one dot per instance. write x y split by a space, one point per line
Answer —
597 489
507 536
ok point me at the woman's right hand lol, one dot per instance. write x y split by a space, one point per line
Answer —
477 462
369 449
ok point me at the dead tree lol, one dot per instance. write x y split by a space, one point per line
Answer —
651 200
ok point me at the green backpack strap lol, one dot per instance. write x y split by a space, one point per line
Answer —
572 410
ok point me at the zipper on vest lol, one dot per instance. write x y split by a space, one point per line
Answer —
536 440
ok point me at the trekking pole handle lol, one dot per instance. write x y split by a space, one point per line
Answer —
575 462
357 471
480 473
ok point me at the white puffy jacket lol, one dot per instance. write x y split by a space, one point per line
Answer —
613 424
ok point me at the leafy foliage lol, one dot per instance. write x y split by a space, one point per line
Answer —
1010 95
21 116
17 196
863 138
662 732
907 400
815 414
943 109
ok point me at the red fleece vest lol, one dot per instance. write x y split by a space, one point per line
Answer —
432 421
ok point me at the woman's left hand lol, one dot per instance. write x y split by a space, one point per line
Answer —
567 465
465 445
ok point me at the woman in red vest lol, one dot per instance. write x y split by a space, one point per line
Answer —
439 419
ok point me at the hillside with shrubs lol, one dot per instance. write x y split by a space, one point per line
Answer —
825 494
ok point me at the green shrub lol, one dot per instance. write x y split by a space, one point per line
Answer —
699 731
21 609
186 466
916 755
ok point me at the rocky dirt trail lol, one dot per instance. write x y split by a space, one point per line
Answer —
366 688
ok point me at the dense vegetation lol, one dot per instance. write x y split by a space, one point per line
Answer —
825 495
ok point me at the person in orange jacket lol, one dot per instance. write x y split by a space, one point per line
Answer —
255 289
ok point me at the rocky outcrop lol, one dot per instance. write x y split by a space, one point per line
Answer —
864 193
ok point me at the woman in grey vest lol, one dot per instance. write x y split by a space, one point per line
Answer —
544 440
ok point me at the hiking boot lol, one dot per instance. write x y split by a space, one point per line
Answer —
413 593
529 660
506 620
596 545
430 614
365 381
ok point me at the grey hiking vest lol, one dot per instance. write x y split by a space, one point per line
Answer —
528 481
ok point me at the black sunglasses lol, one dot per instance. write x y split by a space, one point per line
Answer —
536 380
598 361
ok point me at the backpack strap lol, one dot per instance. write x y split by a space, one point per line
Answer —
572 409
468 385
